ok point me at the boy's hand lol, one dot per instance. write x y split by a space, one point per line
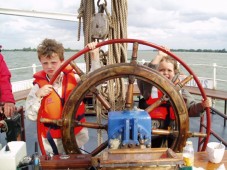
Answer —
44 91
206 103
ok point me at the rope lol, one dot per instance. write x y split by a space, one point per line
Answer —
116 88
117 53
86 11
80 14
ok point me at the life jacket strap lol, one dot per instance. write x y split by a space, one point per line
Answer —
80 117
52 143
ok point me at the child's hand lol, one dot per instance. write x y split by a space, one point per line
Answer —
92 46
160 53
159 57
44 91
95 51
206 103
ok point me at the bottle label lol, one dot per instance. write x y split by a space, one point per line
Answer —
36 161
188 161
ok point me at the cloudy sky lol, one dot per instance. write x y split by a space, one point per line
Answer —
188 24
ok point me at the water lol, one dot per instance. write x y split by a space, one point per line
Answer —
24 59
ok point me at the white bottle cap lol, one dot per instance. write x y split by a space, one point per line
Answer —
189 142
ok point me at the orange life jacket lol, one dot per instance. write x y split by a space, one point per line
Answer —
161 111
52 105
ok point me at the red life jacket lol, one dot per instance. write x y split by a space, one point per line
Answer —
52 105
162 111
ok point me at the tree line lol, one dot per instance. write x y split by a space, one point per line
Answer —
173 50
34 49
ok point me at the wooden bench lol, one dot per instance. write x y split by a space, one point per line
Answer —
216 94
21 95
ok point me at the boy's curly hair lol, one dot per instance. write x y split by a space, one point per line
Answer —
48 47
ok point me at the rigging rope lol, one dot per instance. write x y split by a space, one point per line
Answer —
86 11
117 53
116 88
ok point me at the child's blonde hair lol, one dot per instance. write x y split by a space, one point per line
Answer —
169 59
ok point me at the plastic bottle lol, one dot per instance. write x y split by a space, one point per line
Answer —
188 154
36 158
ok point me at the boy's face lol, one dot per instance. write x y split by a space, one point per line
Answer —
166 69
50 65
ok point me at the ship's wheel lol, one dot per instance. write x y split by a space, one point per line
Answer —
90 83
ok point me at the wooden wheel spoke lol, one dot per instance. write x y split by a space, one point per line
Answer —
156 104
164 132
101 98
196 134
100 148
134 52
91 125
129 93
77 69
59 122
182 83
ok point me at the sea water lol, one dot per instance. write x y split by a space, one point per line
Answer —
16 59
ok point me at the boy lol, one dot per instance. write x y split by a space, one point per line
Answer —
164 114
51 56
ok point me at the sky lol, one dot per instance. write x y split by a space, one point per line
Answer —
177 24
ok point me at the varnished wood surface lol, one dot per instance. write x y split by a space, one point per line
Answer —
201 160
81 161
21 95
217 94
